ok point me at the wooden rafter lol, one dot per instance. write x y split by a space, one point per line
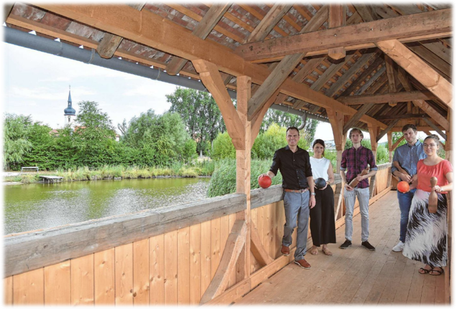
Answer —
365 11
361 62
283 69
202 30
390 72
385 131
111 42
234 245
336 19
129 23
432 59
416 67
356 117
407 28
362 77
435 127
385 98
214 83
274 15
331 71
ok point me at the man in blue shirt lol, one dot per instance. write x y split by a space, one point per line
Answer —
405 160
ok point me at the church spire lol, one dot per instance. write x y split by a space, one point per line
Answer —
69 112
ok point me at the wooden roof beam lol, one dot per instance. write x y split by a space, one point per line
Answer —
362 77
271 19
436 128
202 30
416 67
283 69
336 19
170 38
385 98
356 117
434 114
407 28
111 42
382 133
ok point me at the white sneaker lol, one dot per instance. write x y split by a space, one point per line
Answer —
398 247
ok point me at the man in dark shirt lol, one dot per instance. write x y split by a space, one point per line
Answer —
299 195
354 161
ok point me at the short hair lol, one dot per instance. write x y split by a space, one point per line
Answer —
292 128
434 137
321 142
355 130
409 126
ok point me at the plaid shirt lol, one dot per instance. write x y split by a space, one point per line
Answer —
354 161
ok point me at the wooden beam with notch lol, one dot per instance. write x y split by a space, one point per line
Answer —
336 19
385 131
268 22
356 117
202 30
435 128
421 71
408 28
111 42
233 248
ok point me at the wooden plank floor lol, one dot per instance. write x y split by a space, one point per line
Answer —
355 275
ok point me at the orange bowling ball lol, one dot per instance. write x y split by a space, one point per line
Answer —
403 187
264 181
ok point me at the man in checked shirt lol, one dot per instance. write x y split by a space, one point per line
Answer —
354 161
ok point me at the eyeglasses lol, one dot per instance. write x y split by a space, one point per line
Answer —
429 145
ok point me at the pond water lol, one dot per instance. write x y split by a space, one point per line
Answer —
29 207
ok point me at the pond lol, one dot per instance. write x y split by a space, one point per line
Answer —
29 207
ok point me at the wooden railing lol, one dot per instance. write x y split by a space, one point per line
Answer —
163 256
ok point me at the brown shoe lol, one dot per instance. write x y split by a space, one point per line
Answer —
303 264
285 250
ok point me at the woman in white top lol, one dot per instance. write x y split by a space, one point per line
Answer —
322 224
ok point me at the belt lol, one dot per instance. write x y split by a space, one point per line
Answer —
296 191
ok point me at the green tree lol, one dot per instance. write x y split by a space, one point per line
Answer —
42 152
95 137
200 114
223 148
16 143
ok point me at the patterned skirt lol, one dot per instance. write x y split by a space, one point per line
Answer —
426 238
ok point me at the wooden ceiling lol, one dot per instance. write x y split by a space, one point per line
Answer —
383 64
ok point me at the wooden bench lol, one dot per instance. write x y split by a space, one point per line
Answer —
36 168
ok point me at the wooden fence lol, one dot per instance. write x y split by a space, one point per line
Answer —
163 256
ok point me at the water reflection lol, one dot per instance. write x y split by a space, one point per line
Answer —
35 206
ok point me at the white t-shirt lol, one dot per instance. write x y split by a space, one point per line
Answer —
320 168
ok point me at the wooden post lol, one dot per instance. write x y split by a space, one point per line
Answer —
390 153
243 170
373 132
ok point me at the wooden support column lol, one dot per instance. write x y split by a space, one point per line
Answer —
244 84
373 132
336 19
390 154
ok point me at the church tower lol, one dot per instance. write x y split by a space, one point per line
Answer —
70 112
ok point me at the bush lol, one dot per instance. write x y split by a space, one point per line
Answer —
223 180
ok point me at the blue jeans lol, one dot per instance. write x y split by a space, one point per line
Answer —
405 201
296 209
363 200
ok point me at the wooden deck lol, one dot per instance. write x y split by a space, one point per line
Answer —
355 275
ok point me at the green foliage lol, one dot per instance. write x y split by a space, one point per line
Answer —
223 180
200 114
382 154
16 143
223 147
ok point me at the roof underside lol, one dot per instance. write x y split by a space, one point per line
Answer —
366 83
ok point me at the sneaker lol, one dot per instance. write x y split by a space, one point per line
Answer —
303 264
346 244
285 250
367 245
399 247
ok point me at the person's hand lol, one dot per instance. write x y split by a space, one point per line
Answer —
414 178
436 189
360 177
406 177
312 201
263 175
347 186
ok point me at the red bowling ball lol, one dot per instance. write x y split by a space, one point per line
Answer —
403 187
264 181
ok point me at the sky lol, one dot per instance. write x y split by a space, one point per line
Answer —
37 84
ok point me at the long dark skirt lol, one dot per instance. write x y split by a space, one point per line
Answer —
426 238
322 225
